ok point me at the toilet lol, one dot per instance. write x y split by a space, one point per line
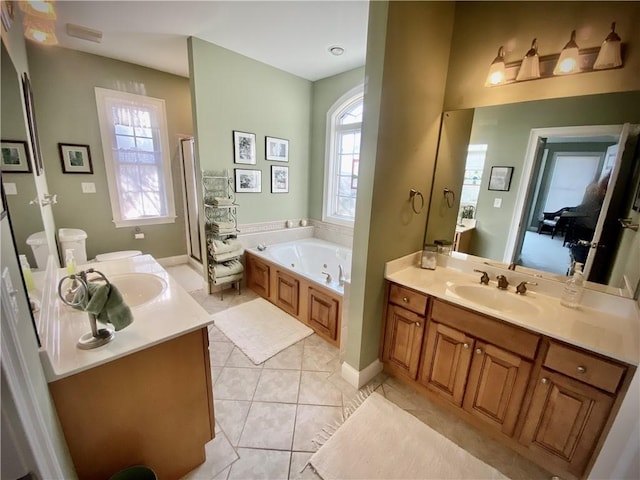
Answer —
75 239
38 243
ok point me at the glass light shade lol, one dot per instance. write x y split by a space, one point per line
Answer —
42 9
40 31
609 55
530 67
568 61
496 73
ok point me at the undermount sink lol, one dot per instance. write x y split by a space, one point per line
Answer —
491 297
138 288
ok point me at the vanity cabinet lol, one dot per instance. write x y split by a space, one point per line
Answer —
549 401
405 326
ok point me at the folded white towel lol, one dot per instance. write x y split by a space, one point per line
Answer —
224 225
223 246
223 257
222 201
232 267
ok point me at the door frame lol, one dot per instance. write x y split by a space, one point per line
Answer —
518 225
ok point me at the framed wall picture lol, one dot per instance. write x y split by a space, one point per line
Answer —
15 158
75 158
248 180
276 149
244 147
500 179
279 179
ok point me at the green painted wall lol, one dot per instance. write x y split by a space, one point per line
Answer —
234 92
63 82
325 93
412 82
481 27
506 129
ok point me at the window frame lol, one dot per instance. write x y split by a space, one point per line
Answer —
104 98
331 157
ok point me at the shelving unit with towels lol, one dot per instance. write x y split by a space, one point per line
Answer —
221 227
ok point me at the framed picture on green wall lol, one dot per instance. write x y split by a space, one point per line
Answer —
244 147
75 158
14 157
276 149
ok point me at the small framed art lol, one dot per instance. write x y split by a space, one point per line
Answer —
276 149
244 147
15 158
75 158
248 180
279 179
500 179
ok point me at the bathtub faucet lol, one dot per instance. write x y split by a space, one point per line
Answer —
341 276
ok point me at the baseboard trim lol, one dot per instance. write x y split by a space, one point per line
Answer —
172 261
359 378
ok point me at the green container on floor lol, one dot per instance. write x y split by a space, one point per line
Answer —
138 472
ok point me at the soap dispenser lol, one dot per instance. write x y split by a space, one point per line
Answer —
574 288
27 274
70 261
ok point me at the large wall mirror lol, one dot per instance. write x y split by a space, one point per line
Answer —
540 185
20 187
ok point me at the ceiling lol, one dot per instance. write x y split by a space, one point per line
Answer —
294 36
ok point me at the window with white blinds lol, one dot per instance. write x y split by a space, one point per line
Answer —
136 154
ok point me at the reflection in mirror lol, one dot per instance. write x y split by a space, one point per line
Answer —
568 189
19 187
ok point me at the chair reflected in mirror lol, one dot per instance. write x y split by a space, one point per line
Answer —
553 222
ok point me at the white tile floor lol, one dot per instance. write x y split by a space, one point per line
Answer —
268 415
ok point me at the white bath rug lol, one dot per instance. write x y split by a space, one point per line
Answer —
385 442
260 329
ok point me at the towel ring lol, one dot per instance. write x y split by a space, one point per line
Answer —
413 193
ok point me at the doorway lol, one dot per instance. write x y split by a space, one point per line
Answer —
561 213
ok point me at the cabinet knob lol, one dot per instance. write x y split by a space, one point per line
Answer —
544 381
405 299
478 351
417 324
465 345
581 369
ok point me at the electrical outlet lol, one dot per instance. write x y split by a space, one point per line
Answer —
138 236
497 202
88 187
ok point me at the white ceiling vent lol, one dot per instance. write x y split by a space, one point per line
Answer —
78 31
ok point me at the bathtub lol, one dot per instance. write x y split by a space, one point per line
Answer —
310 257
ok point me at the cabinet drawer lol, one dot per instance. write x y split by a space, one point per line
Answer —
585 367
414 301
493 331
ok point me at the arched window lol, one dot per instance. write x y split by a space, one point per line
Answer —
344 123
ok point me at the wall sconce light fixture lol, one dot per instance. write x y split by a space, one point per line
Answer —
42 9
530 67
41 31
496 74
571 60
610 52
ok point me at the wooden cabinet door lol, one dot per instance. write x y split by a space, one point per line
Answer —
446 360
323 313
403 340
258 276
287 293
496 386
565 420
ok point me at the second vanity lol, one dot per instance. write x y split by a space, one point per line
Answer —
541 378
146 397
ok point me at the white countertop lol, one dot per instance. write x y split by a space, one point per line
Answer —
172 314
600 331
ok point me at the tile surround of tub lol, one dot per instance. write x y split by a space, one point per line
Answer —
269 233
333 233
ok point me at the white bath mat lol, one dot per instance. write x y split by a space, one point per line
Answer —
260 329
382 441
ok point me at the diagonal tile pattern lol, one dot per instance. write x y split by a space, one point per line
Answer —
268 416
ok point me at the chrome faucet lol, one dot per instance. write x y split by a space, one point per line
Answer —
329 279
522 287
502 282
341 277
484 279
